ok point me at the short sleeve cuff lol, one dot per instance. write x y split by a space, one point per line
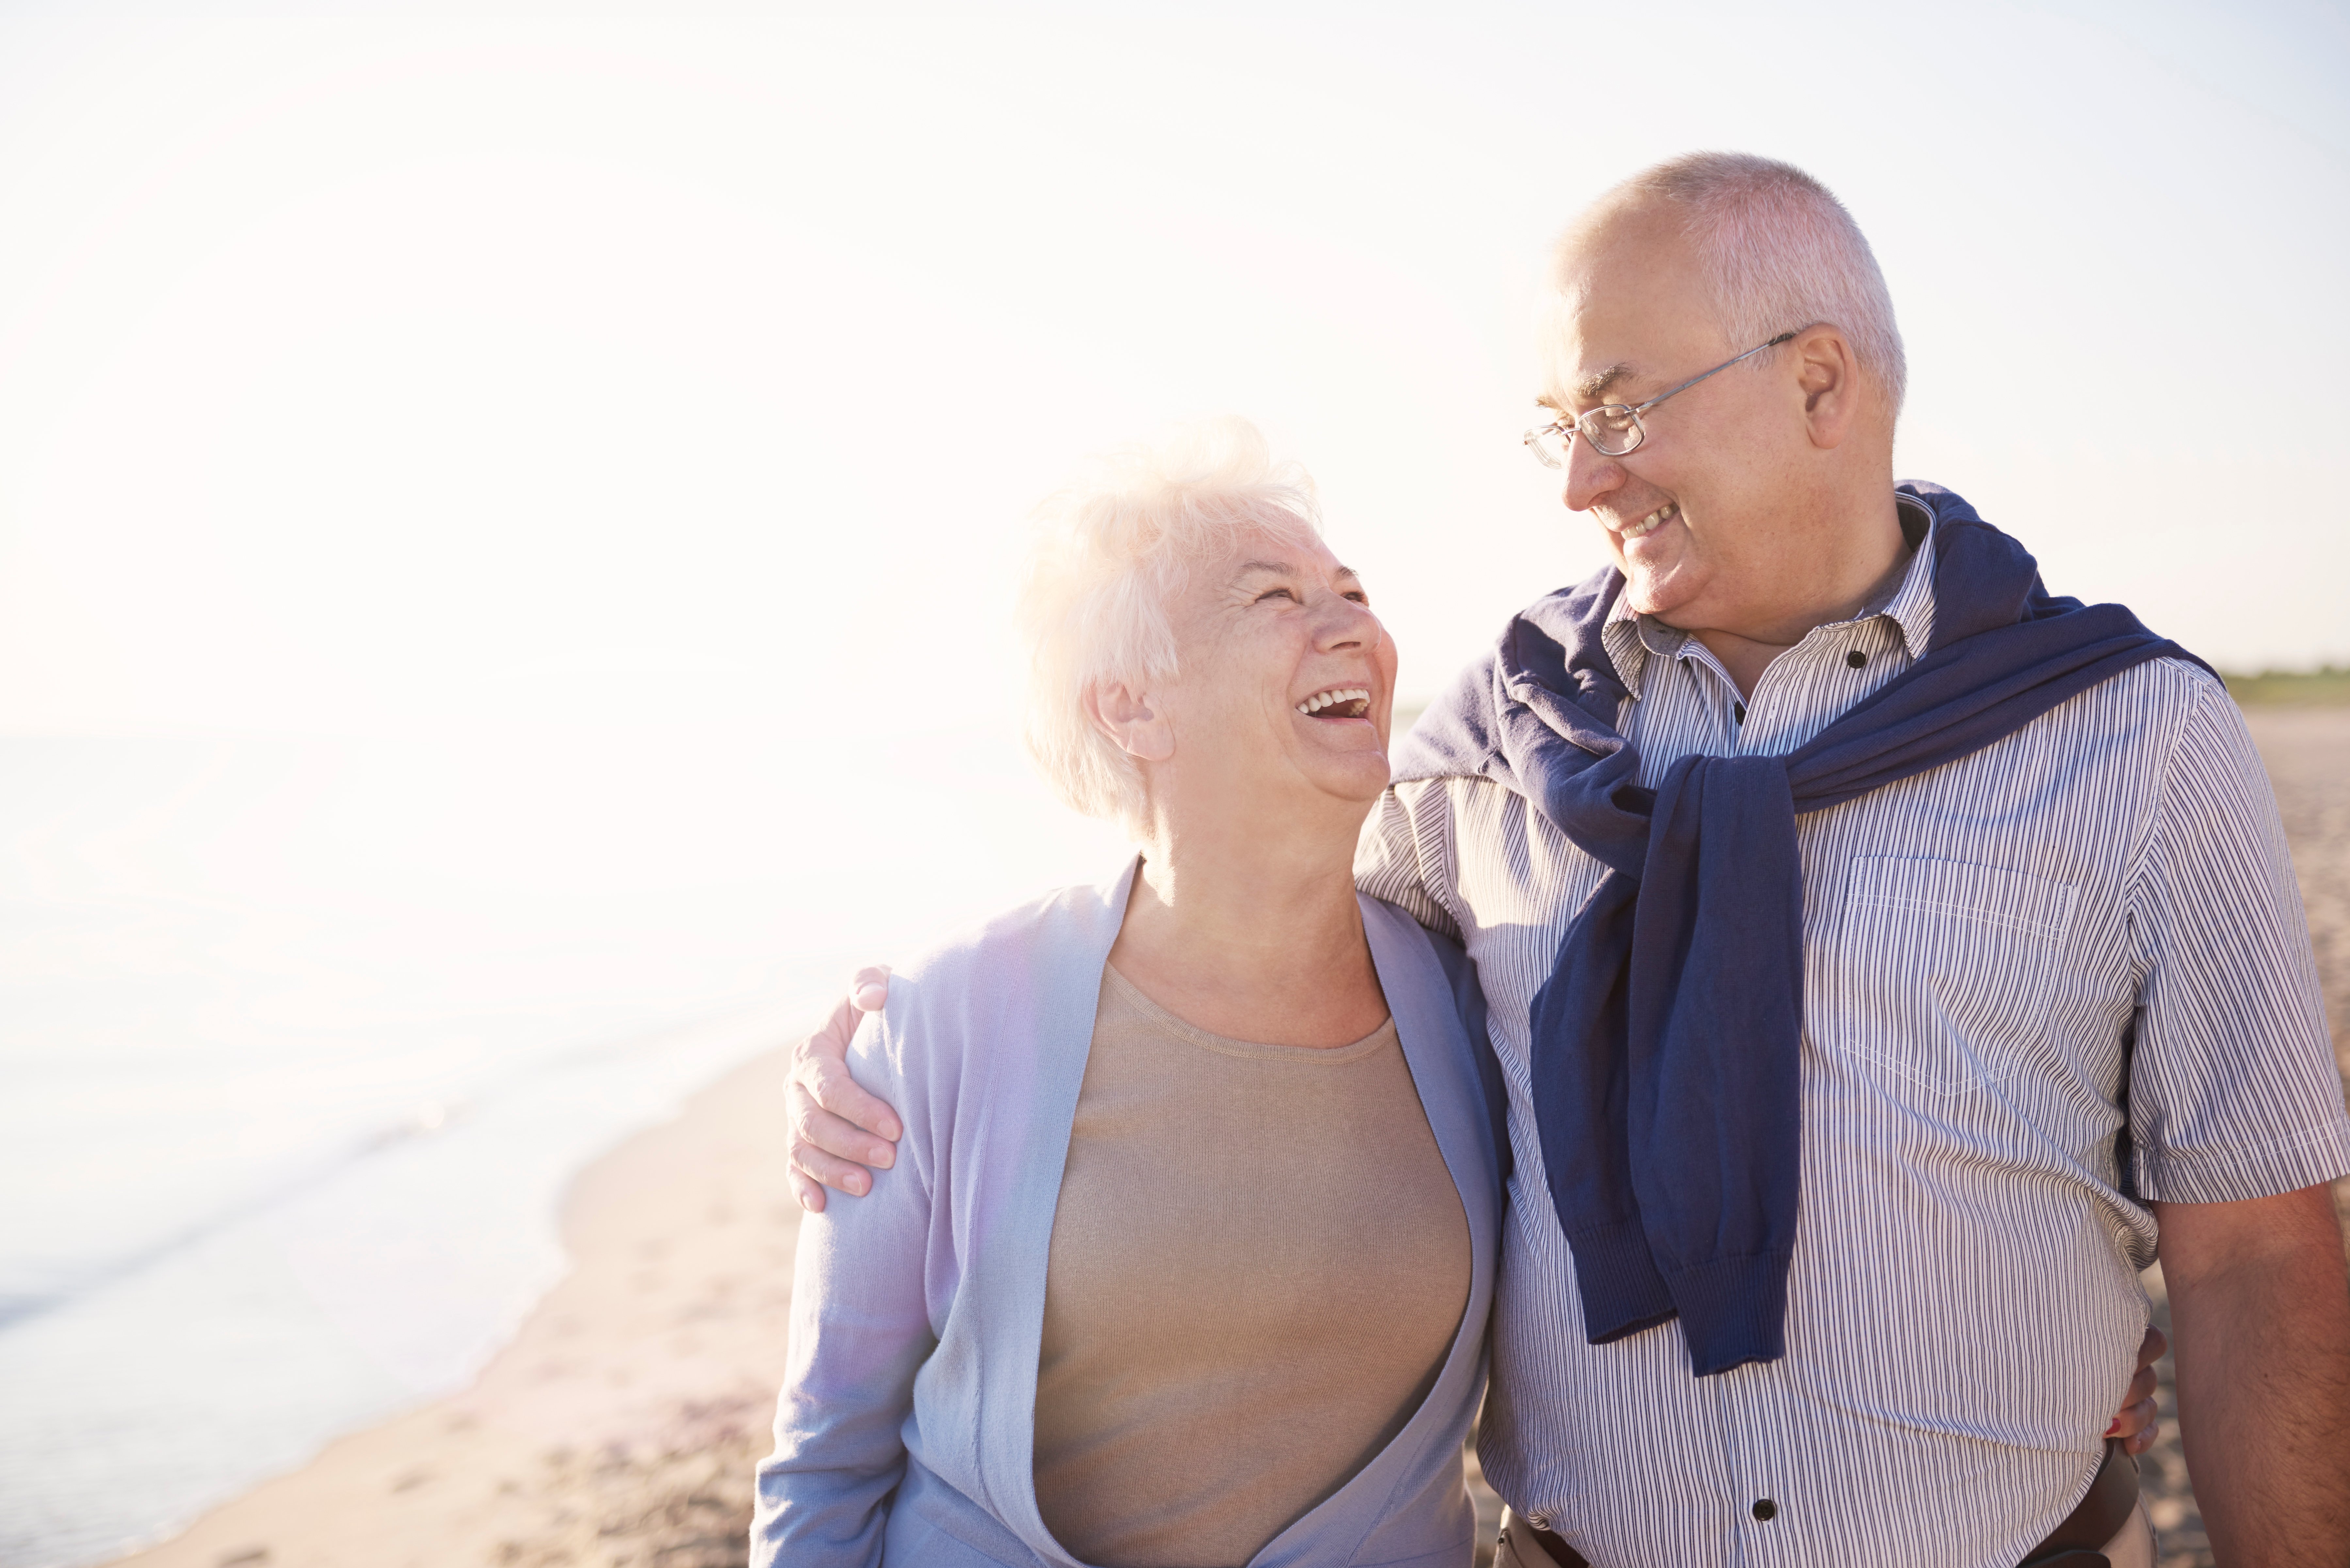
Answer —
2224 1175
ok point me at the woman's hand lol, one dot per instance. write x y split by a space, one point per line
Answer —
2138 1423
837 1129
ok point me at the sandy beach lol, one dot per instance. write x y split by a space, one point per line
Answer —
620 1425
618 1429
2307 751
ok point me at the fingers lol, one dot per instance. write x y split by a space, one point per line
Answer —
821 1061
810 1162
820 1068
831 1040
827 1151
839 1129
2138 1427
2141 1386
809 1191
825 1131
868 992
2139 1423
836 1107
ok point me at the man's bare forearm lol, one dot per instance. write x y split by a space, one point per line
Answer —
2260 1319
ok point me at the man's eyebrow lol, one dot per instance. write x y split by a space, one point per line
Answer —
1589 389
1596 385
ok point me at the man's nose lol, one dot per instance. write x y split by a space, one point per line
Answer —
1590 474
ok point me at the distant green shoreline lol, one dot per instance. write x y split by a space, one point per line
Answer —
2289 688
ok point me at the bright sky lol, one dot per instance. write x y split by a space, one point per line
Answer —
362 372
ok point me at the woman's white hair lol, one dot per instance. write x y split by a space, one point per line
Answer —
1108 554
1782 252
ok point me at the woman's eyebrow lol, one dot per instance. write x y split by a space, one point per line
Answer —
1288 569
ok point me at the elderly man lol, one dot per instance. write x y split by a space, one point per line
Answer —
1886 962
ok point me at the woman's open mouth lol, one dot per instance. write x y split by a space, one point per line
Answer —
1339 703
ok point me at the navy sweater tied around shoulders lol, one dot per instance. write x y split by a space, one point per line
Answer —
1666 1042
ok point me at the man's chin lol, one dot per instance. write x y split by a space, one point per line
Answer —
1649 591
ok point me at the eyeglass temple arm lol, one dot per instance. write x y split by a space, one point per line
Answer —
1718 369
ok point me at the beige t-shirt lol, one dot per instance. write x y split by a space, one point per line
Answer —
1259 1265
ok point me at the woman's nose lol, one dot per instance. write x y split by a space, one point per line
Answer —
1347 624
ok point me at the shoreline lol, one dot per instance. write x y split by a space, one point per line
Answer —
623 1418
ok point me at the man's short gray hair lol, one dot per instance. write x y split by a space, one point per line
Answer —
1108 554
1782 254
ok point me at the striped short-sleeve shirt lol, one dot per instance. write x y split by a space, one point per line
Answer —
2062 977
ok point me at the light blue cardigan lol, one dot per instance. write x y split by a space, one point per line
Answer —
906 1430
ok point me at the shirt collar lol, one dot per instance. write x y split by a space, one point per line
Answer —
1910 606
1631 637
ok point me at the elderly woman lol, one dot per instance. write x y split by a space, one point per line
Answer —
1185 1256
1070 1325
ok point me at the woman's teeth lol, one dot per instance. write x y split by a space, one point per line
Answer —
1350 701
1652 522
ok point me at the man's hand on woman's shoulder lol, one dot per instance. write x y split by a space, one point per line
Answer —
840 1134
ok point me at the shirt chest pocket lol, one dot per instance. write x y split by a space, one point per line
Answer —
1940 970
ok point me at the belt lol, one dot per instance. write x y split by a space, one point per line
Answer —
2075 1544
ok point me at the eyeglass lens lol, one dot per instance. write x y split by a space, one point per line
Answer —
1612 430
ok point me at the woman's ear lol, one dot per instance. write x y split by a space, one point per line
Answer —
1132 720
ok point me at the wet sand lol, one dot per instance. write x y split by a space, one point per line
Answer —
620 1425
620 1429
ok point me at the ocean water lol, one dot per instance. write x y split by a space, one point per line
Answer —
302 1039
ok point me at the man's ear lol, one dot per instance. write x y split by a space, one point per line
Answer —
1132 720
1829 379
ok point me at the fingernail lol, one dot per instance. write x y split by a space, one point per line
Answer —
883 1157
892 1131
2115 1428
857 1185
872 998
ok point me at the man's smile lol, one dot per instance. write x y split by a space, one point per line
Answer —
1650 523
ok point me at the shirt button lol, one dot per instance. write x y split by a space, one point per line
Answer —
1765 1509
1855 658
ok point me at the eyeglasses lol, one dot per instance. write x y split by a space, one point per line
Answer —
1614 428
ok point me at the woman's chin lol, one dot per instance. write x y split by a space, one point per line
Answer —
1358 777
